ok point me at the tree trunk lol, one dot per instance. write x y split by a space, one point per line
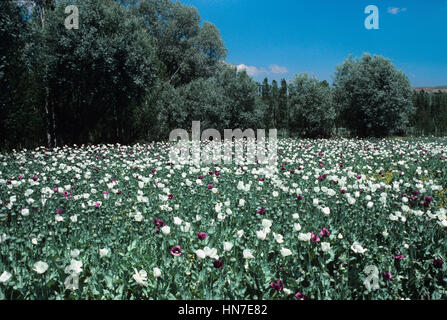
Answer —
49 110
47 116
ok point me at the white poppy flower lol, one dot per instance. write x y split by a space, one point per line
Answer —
305 236
5 277
267 223
140 277
325 246
278 237
40 267
72 282
74 253
285 252
261 235
228 246
166 230
248 254
75 266
211 252
138 217
357 248
185 228
103 252
200 254
157 272
177 221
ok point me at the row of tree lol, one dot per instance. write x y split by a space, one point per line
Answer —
431 113
321 110
369 97
137 69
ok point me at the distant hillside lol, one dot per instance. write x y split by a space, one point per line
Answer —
432 89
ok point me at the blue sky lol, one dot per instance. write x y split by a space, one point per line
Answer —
281 38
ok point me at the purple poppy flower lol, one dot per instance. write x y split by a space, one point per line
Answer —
261 211
201 235
387 276
400 256
300 197
60 210
210 186
159 223
218 264
170 196
176 251
300 296
325 232
438 263
314 238
277 285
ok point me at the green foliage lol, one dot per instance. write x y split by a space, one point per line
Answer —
373 97
311 107
430 117
97 74
20 121
187 49
107 81
135 70
244 104
93 219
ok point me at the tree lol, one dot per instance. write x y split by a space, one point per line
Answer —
373 97
245 109
20 121
311 107
187 49
283 106
273 105
97 75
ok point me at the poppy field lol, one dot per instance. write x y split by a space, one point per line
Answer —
331 219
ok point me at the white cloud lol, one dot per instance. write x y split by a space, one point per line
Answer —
394 10
254 71
251 70
275 69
